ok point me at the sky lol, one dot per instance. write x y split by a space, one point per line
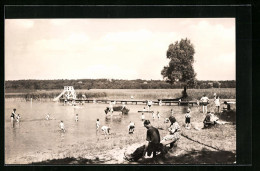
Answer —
115 48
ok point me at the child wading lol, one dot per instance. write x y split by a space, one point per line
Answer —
153 115
77 118
131 127
106 130
142 117
97 125
18 118
187 119
13 115
62 126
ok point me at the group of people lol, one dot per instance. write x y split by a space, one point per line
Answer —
205 101
154 144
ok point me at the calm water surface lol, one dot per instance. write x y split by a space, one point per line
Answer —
34 133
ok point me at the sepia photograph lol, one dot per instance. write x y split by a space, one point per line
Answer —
125 91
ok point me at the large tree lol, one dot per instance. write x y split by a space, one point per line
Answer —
180 67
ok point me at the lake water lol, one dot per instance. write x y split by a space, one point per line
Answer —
34 134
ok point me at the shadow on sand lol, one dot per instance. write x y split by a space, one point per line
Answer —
193 157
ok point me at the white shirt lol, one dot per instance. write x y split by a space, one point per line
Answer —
204 99
62 125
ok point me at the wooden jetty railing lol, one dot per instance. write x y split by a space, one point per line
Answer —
142 102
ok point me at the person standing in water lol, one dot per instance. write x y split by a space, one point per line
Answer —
62 126
47 117
106 130
158 115
131 127
142 117
153 115
97 125
77 118
13 115
18 118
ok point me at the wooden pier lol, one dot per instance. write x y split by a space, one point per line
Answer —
136 102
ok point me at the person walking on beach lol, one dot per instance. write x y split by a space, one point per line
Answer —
204 101
152 139
62 126
142 117
77 118
187 119
131 127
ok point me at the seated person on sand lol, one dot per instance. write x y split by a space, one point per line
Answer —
174 133
226 106
212 119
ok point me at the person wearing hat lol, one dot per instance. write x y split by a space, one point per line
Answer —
174 133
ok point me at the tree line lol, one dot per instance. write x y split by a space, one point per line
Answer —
112 84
